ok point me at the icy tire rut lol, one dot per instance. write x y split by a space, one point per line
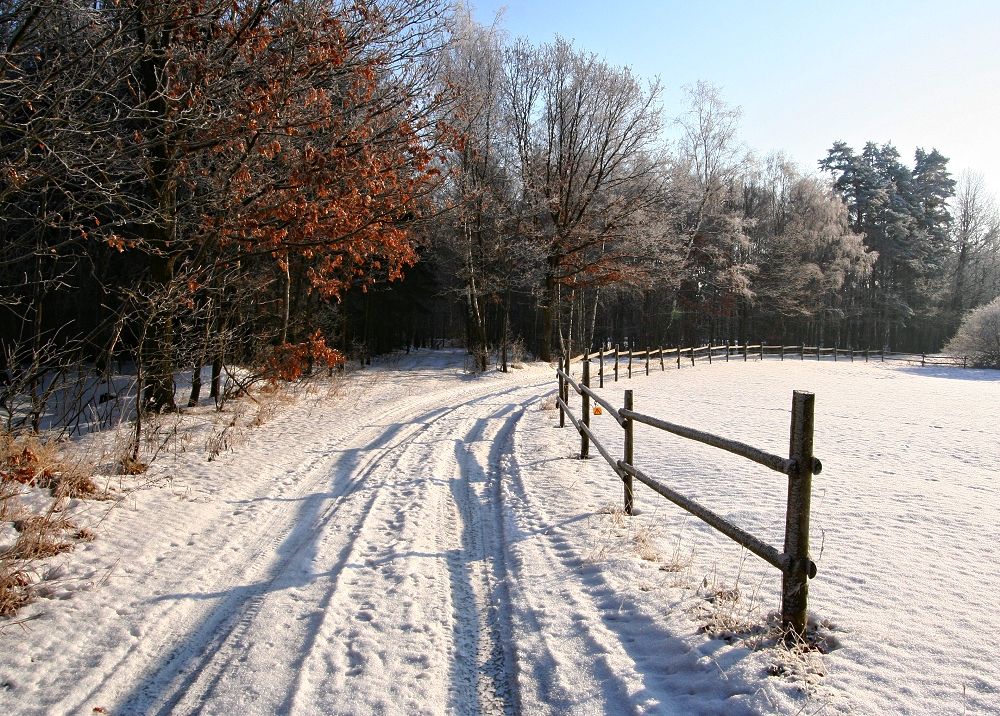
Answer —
374 584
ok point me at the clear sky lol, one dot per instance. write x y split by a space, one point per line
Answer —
806 73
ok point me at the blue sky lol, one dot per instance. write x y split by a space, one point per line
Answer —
807 73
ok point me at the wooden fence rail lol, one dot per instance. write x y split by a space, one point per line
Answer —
761 352
800 465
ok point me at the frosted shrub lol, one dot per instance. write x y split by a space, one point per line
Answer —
979 336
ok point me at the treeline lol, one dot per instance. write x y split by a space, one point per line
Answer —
282 183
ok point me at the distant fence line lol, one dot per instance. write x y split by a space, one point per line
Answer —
625 360
793 561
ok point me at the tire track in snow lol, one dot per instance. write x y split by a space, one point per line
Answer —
191 627
453 626
191 675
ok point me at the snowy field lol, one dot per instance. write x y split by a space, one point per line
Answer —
424 541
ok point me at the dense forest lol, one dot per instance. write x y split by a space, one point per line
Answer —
285 184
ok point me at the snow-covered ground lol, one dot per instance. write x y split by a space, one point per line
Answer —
425 541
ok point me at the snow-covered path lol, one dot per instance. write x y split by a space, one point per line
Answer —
356 548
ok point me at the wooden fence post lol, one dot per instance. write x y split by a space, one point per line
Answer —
762 351
662 367
630 361
782 353
745 349
562 413
678 357
727 351
584 439
647 360
852 354
602 367
802 352
866 355
616 362
627 479
710 352
835 354
798 570
692 356
922 359
965 362
883 355
817 350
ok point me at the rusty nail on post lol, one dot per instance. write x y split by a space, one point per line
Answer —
794 581
627 479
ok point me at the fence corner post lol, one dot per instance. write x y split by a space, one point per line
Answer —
562 413
584 439
799 568
629 433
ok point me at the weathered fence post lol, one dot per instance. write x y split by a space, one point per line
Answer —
745 349
883 355
630 361
562 413
852 353
710 352
601 370
678 357
866 355
727 351
627 479
835 354
662 367
616 362
762 351
799 568
584 439
922 359
692 356
647 360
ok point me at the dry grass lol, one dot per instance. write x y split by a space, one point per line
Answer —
28 463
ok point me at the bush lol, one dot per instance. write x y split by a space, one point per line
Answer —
979 336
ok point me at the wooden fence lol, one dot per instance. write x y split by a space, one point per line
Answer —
623 361
793 561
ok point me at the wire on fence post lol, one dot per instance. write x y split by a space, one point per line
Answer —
629 433
799 568
584 440
616 362
562 413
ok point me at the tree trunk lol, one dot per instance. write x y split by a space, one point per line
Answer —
158 393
